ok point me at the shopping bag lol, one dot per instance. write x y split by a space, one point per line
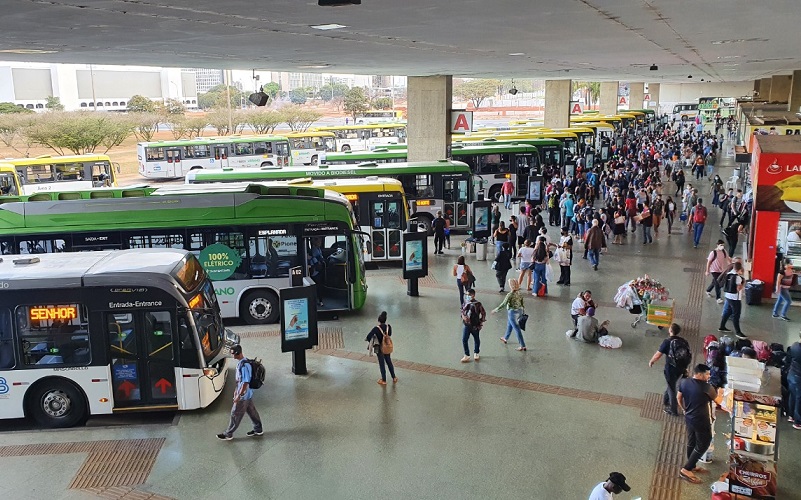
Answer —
549 272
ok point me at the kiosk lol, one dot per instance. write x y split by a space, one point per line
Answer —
298 319
415 259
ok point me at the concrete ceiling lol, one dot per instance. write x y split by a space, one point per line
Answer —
721 40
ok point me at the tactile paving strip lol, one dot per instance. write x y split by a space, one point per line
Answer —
259 332
330 337
429 280
126 493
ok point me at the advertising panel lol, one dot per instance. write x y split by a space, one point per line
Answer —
482 219
415 255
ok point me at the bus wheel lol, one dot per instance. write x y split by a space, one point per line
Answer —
684 118
424 226
495 194
266 164
57 403
345 148
259 307
314 160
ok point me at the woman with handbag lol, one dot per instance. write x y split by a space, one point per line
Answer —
382 349
463 273
514 313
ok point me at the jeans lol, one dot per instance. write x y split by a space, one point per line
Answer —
466 332
699 437
672 378
238 411
513 323
507 201
646 235
460 286
794 406
783 302
714 285
595 256
385 359
539 277
698 228
732 309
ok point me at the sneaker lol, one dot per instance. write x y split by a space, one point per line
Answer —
668 412
774 316
465 359
476 356
703 462
797 426
504 340
740 335
784 318
255 433
521 349
719 301
708 294
723 329
223 437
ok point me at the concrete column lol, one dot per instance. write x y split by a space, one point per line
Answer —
427 115
636 95
780 88
653 89
557 103
764 89
608 98
795 92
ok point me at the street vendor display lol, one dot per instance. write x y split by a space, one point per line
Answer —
648 299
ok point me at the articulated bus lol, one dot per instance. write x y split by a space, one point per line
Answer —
92 333
173 159
368 136
247 237
60 173
428 186
308 148
378 203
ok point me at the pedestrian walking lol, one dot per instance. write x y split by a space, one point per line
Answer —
646 221
562 257
439 232
502 264
500 236
716 262
785 279
594 242
695 397
515 309
243 399
473 317
678 356
375 341
508 188
526 256
541 262
670 213
459 271
614 485
697 220
657 212
733 291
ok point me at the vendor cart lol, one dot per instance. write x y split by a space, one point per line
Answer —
660 313
648 299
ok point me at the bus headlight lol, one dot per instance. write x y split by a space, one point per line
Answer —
210 372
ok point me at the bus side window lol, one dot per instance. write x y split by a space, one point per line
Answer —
6 340
154 154
423 186
62 341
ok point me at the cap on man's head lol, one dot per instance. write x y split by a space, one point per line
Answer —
619 480
590 311
236 350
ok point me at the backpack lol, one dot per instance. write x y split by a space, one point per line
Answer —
468 278
731 283
257 373
699 215
679 353
473 315
386 343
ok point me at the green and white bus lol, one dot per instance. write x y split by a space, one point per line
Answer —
173 159
309 147
428 186
247 237
92 333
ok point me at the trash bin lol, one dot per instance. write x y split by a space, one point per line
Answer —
481 249
753 292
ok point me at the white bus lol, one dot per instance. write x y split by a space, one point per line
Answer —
173 159
91 333
309 148
379 116
366 137
685 111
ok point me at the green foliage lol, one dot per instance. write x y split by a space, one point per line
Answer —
141 104
173 107
226 122
383 103
216 97
14 131
54 104
195 125
299 118
476 90
329 92
79 132
11 108
262 121
298 96
355 102
591 91
145 125
272 89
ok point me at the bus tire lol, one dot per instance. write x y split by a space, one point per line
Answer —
56 403
495 194
259 307
684 118
196 167
314 160
266 164
345 148
424 226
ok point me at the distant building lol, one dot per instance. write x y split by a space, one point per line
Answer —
207 79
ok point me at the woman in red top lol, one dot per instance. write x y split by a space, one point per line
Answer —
631 210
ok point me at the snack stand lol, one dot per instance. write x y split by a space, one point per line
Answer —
753 398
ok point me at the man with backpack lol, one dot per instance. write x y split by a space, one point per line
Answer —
697 220
678 358
249 376
473 317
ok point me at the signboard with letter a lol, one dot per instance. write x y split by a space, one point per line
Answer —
461 122
575 108
623 102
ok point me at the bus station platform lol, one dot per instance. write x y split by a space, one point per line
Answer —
549 423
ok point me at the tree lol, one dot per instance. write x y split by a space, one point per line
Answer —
590 90
298 118
329 92
262 121
141 104
54 104
271 89
11 108
14 131
145 125
195 125
216 97
173 107
177 124
355 102
225 122
79 132
298 96
476 90
383 103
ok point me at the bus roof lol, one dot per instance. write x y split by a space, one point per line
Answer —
48 159
362 125
199 141
369 184
493 145
76 269
307 133
385 153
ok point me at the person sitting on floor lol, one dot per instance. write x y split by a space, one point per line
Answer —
589 330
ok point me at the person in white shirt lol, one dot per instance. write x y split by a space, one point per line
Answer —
616 484
794 236
526 256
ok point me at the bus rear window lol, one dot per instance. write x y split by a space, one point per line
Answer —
190 274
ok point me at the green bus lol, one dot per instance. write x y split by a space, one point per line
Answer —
428 186
246 236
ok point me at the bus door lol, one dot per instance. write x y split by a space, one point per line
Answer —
386 226
524 166
328 265
455 200
282 154
140 344
174 168
220 155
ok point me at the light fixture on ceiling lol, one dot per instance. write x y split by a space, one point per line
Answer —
654 67
315 66
513 90
328 27
338 3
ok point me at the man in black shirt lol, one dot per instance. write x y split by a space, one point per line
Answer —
695 397
674 369
439 232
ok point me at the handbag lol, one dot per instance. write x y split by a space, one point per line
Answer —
620 220
522 321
